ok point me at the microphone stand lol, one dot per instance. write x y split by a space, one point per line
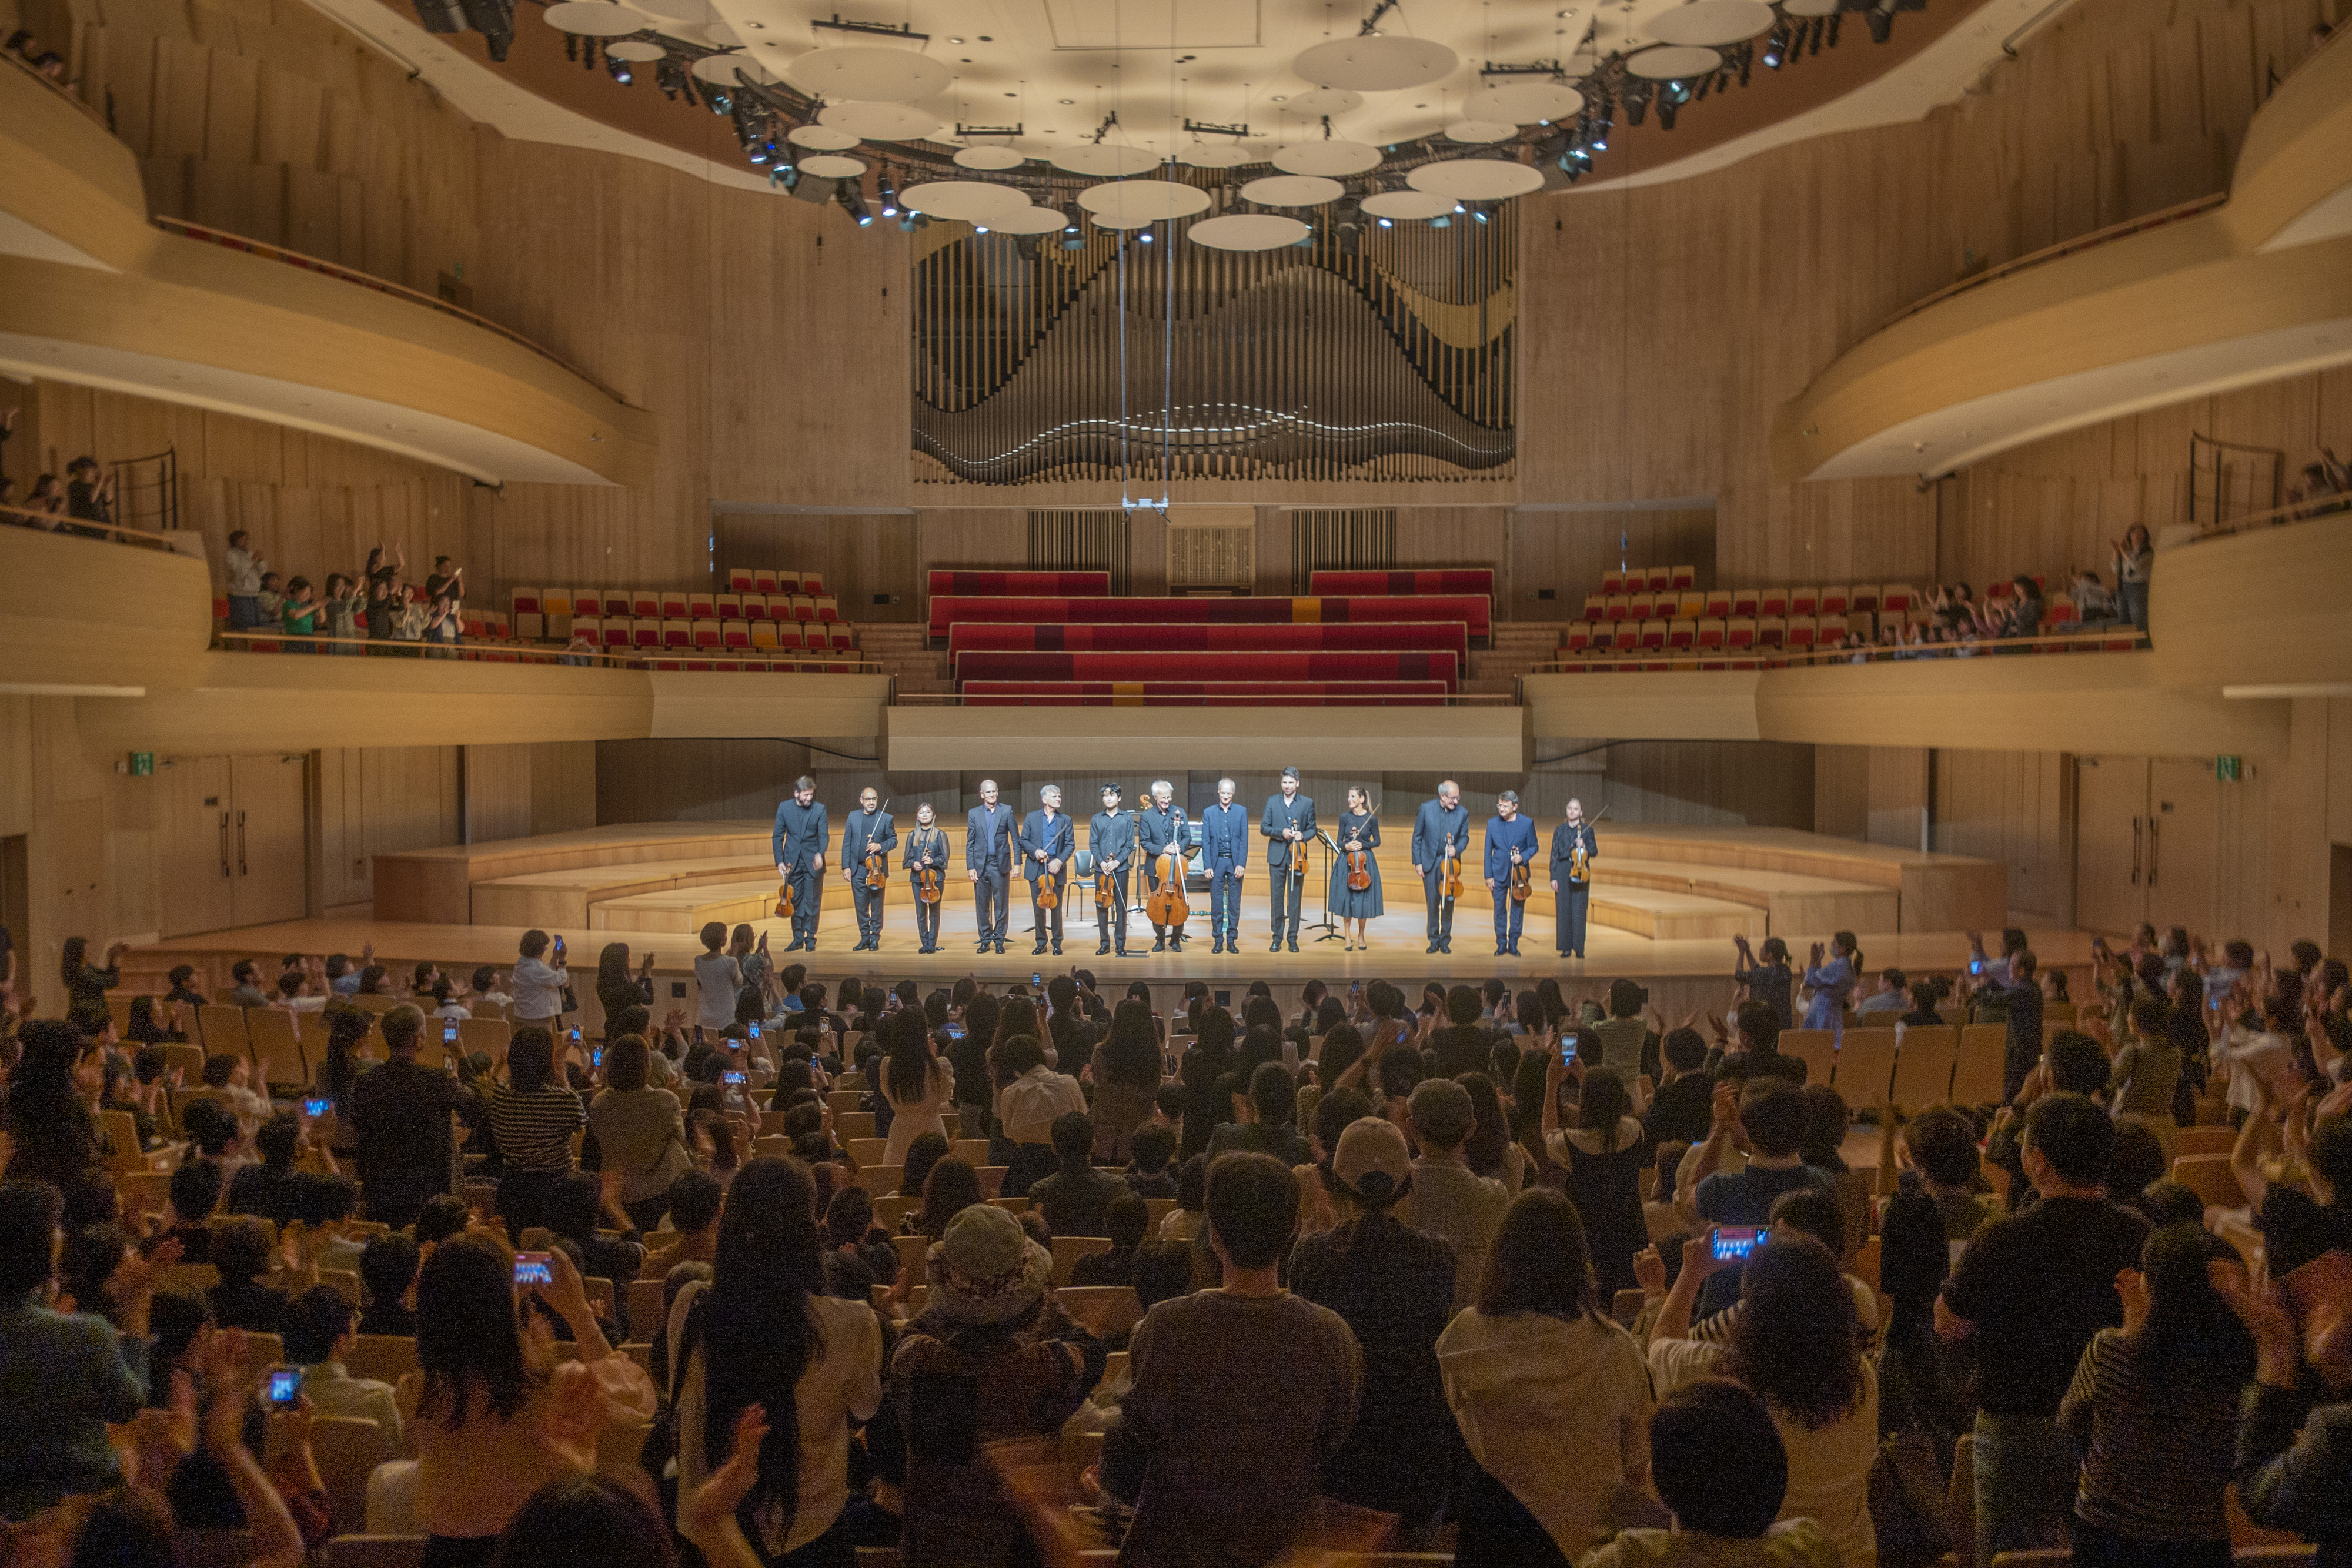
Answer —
1328 927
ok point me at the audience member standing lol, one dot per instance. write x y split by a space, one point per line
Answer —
400 1123
2031 1290
1449 1200
1240 1393
1553 1397
1393 1287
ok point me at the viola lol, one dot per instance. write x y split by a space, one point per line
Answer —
878 867
1522 882
784 901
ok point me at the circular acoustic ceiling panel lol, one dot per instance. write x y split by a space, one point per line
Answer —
1524 102
1107 160
1376 64
721 70
633 50
832 165
1712 21
1026 221
1475 179
1327 158
1128 203
1323 100
1408 204
868 72
1481 130
988 157
881 122
817 138
1293 191
1673 62
965 200
1213 154
1249 231
595 18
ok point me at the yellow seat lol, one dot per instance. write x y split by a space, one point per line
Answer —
1068 1250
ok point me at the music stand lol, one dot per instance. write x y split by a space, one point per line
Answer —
1327 926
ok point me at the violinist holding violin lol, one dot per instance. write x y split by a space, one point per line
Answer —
1110 838
1047 841
927 862
868 831
1511 851
1359 835
1574 847
1440 833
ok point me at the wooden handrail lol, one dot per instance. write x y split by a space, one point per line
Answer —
480 650
58 522
61 88
1779 658
1430 699
2096 238
264 249
2303 511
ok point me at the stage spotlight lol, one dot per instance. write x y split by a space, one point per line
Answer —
813 188
852 202
618 70
1637 101
1388 222
1776 47
888 193
1145 237
721 103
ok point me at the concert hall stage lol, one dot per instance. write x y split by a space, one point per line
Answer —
1666 902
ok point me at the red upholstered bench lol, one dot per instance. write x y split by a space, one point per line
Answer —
1478 579
1202 694
1374 636
1471 609
1212 666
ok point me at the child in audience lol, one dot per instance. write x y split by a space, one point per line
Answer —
1125 1220
242 1252
1153 1146
387 1271
1718 1463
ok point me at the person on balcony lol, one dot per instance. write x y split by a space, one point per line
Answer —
243 568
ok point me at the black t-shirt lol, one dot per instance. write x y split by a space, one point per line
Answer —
1738 1067
1462 1048
1682 1110
2038 1285
2295 1229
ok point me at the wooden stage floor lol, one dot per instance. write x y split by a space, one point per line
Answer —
1396 953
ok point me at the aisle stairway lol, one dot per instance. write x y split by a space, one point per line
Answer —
903 649
1518 647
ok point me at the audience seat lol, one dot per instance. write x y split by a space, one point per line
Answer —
674 604
811 583
1977 1077
701 605
735 634
1744 602
555 602
1771 631
1660 578
1620 606
1866 1065
1682 576
1798 634
828 608
1578 639
645 631
1806 601
730 606
764 579
1864 599
1922 1066
1817 1049
588 626
1596 605
618 635
1773 601
1612 581
677 633
738 579
1718 604
707 634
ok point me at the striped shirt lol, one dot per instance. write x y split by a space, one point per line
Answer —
2158 1447
533 1131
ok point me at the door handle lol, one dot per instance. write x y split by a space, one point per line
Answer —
2134 852
223 843
2151 852
240 845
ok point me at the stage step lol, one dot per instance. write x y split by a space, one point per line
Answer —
560 899
686 909
1791 900
1661 916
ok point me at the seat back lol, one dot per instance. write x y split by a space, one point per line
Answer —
1817 1049
1682 576
1709 633
1923 1065
1866 1065
700 604
1977 1078
1068 1250
222 1029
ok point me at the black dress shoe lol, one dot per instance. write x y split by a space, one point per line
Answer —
1160 944
1294 944
1430 948
1101 948
1057 950
1275 945
983 945
1038 951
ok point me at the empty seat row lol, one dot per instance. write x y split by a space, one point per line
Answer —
1793 633
647 631
690 604
1068 584
773 579
1626 579
1860 598
1425 579
1202 694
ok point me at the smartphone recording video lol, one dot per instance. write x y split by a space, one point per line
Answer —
532 1268
1733 1243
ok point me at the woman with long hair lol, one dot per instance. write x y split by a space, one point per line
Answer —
916 1084
1767 977
2154 1405
494 1414
146 1028
1796 1346
1489 1149
1605 1153
1394 1286
1552 1394
616 988
640 1131
532 1117
86 981
951 1187
1531 1086
1127 1070
763 1333
1832 981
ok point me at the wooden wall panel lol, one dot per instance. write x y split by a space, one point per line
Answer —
861 557
378 801
2017 807
496 784
1566 553
563 786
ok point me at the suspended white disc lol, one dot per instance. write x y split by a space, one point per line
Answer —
1376 64
832 165
1326 100
1408 204
881 122
595 18
1475 179
636 50
966 201
1128 203
1026 221
1524 102
821 138
1249 231
1293 191
1673 62
1712 21
1107 160
1215 155
1481 130
875 73
989 157
1327 158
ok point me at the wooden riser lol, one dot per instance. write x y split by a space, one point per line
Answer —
556 900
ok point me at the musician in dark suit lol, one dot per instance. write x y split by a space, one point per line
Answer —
988 862
1045 844
1288 824
800 844
1158 828
1225 854
1511 841
927 849
1572 877
1439 833
1110 838
867 829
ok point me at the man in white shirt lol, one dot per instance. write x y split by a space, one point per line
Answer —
1892 996
1448 1198
242 570
1027 1105
318 1332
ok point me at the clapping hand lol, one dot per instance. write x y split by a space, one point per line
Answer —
708 1512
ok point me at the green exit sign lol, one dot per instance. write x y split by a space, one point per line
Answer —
143 765
2229 769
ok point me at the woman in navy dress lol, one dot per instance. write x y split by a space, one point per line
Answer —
1358 828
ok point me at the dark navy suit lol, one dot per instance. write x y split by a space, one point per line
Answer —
1502 837
1434 831
1285 861
862 832
1051 836
1225 854
1112 837
988 850
800 842
1156 832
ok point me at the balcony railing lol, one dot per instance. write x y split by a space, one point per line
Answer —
498 652
2120 639
85 528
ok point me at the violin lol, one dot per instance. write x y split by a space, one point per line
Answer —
877 861
1166 906
1102 888
1359 866
927 882
1049 889
1522 882
784 901
1452 887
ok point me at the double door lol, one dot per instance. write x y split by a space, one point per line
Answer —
234 847
2146 842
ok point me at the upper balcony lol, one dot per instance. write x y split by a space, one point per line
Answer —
93 293
2222 293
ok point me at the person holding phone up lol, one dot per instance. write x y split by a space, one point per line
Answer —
541 980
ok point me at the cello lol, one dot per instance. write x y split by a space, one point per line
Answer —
1166 906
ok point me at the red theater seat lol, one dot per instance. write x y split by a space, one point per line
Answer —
1053 584
738 579
1430 579
1228 666
1471 609
1202 694
1404 636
